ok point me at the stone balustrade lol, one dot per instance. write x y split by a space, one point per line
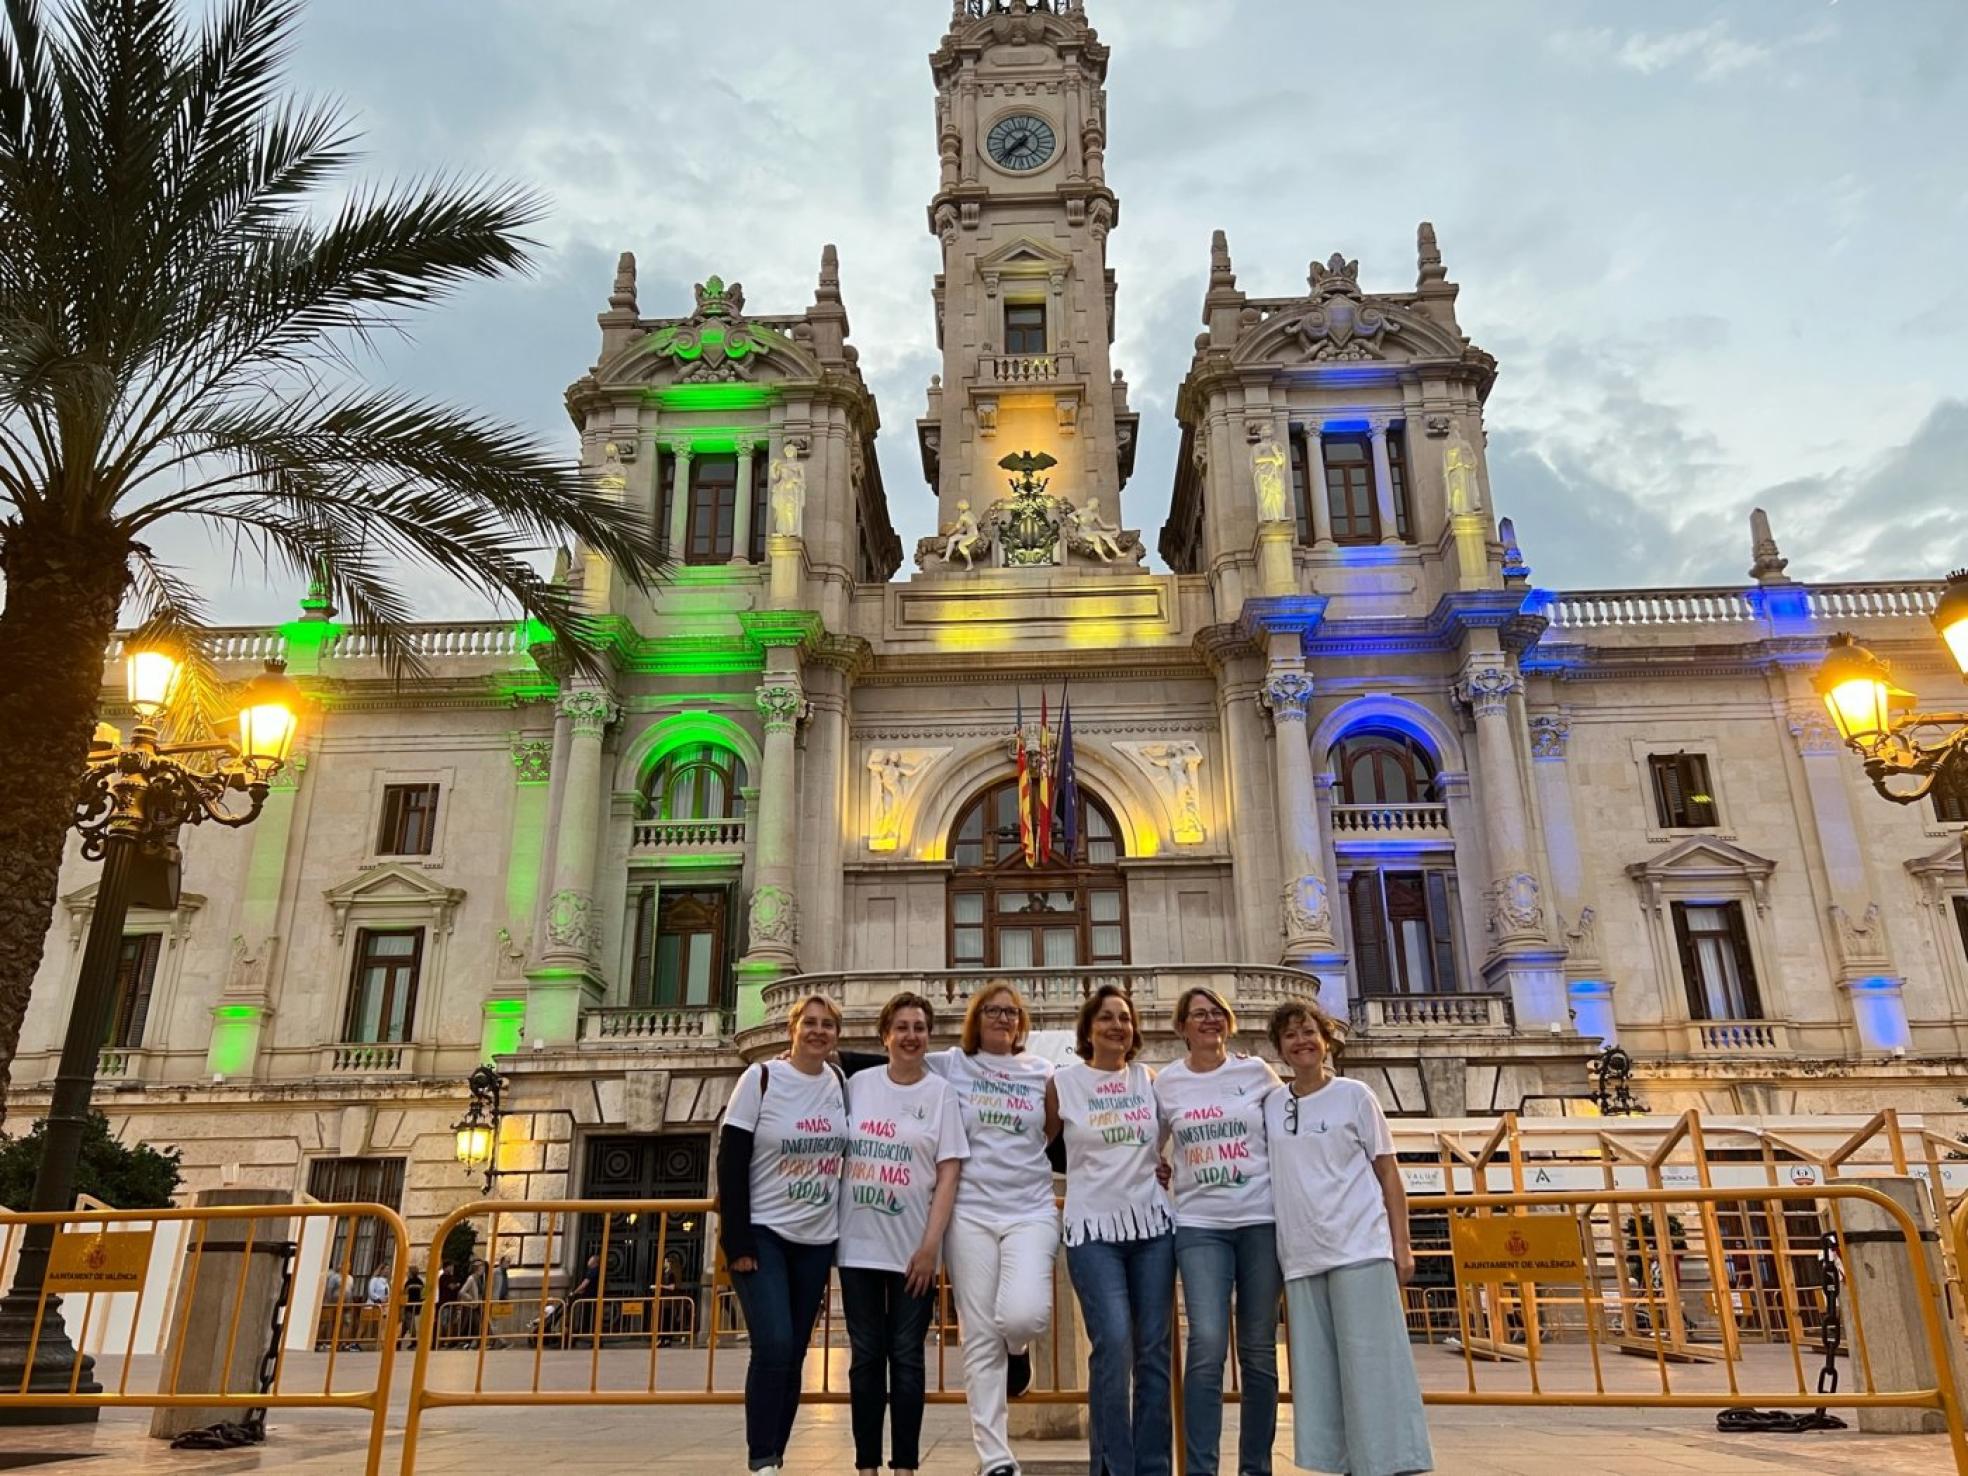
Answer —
436 641
1025 368
1432 1014
683 1027
1828 604
668 837
357 1058
1738 1038
1414 822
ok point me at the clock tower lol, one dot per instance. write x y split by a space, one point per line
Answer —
1025 299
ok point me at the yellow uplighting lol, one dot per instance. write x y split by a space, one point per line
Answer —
1856 690
269 713
1951 617
150 679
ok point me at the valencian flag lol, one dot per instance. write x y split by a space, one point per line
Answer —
1068 787
1042 798
1027 836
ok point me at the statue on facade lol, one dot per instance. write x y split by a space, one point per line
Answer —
788 491
1028 525
1459 474
612 476
963 537
1088 532
893 771
1268 463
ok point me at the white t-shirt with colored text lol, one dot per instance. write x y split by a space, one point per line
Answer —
1109 1123
1217 1147
896 1138
799 1131
1006 1180
1330 1209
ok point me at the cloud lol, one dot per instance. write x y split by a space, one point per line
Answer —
1710 53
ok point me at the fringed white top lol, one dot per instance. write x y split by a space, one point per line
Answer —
1112 1142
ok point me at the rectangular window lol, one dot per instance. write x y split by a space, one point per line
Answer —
678 961
383 995
358 1181
1715 961
1397 468
136 973
1683 799
1950 794
1404 932
1301 488
713 509
1349 488
409 825
1025 328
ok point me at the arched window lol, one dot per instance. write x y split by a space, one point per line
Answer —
1376 766
1063 914
697 782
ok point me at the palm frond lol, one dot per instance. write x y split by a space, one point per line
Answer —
171 613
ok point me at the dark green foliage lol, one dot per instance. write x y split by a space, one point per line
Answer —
125 1177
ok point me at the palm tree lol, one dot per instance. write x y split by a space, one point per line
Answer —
180 310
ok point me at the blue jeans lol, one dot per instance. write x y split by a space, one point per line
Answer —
781 1301
886 1325
1214 1262
1127 1294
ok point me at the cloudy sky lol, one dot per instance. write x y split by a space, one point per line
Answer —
1716 247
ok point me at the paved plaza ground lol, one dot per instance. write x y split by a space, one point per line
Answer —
709 1441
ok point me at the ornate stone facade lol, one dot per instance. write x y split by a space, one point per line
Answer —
793 768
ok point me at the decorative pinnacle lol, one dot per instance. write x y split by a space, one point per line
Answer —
1336 276
622 298
830 275
1221 272
1428 256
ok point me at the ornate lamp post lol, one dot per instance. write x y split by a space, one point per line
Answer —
134 798
1906 751
478 1131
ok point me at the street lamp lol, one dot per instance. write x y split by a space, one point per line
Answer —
1906 751
478 1132
134 798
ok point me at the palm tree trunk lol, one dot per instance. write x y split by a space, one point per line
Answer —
63 593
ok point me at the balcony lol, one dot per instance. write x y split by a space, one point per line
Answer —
1054 995
356 1059
1390 822
686 837
1021 369
673 1027
1432 1014
120 1063
1737 1038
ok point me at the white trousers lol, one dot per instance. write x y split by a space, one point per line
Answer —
1002 1276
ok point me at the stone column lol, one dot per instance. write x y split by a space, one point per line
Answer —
565 975
1306 902
1383 479
680 503
1521 959
773 924
1315 487
741 515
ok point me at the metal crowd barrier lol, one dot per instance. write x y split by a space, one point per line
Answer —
1648 1304
159 1293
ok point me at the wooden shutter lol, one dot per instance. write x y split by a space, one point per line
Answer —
1698 797
1441 932
761 470
1745 964
1369 933
642 966
1691 974
1670 799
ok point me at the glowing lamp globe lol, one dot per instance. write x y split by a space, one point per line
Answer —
150 680
1951 617
1856 690
269 713
474 1143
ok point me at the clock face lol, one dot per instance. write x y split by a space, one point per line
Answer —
1021 142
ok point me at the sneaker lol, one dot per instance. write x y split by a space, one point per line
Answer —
1002 1471
1018 1378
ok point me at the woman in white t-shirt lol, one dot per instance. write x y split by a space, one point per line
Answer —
1120 1237
1211 1104
779 1188
905 1146
1004 1233
1343 1242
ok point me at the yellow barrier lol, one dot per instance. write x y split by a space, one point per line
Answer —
118 1285
1656 1275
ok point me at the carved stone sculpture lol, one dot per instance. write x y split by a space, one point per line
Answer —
1176 767
788 491
893 774
571 922
964 538
1515 906
1089 533
1459 474
612 475
1308 908
774 917
1268 473
1340 325
1861 941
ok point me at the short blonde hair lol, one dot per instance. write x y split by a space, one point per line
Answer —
799 1008
972 1039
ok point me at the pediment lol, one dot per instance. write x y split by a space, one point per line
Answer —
1024 256
1939 870
394 889
1701 859
80 905
1342 329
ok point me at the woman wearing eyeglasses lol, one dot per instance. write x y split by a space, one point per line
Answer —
1211 1102
1005 1229
1120 1237
1343 1242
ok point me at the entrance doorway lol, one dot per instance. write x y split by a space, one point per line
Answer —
645 1166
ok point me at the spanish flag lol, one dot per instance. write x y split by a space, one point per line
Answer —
1027 833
